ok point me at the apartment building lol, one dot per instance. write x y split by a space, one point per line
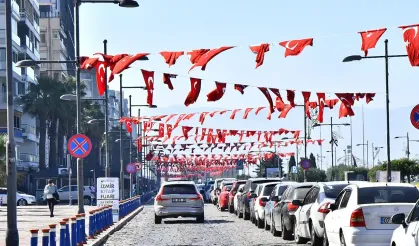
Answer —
25 37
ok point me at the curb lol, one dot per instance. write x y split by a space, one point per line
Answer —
102 238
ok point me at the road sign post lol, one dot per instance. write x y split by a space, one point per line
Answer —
79 146
414 116
131 169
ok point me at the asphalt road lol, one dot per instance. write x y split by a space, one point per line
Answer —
220 228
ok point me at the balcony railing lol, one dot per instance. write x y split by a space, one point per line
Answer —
18 132
29 73
28 157
15 69
28 129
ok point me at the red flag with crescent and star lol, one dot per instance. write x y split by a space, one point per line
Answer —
100 77
171 57
295 47
149 83
161 130
411 39
260 51
217 93
370 39
194 93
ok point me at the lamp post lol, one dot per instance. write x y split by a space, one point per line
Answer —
363 152
375 151
332 140
386 58
408 143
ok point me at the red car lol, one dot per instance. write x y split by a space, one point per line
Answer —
232 193
223 197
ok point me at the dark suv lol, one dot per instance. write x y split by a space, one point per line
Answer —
249 188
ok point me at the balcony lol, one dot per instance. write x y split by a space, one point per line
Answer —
27 162
29 132
29 49
18 133
28 75
17 70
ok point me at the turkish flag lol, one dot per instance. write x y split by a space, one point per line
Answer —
194 93
169 130
207 57
370 39
149 83
295 47
260 51
171 57
217 93
240 88
125 62
411 38
268 97
128 125
291 97
195 55
185 131
88 63
167 81
100 77
321 99
161 130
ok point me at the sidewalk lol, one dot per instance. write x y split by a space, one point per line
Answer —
37 217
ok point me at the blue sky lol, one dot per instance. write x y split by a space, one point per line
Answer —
185 25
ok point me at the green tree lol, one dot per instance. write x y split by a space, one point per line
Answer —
312 175
339 171
291 163
407 167
313 161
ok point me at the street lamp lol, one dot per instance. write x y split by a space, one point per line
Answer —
408 143
375 151
386 58
363 152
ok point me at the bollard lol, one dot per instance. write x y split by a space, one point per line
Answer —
34 237
99 222
62 233
91 224
83 229
45 236
73 231
78 231
67 231
52 235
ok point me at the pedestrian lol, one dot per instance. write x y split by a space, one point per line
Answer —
51 195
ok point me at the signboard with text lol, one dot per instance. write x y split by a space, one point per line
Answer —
108 194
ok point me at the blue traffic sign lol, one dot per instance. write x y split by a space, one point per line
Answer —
79 146
294 169
131 168
414 116
305 164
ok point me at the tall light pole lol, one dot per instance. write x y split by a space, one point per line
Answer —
12 234
363 152
386 58
408 140
375 151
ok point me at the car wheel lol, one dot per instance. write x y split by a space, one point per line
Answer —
266 226
22 202
286 234
231 209
315 240
274 232
157 219
260 223
246 216
87 200
297 238
239 214
325 240
201 218
342 239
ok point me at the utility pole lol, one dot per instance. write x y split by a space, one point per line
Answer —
130 149
107 168
363 137
121 158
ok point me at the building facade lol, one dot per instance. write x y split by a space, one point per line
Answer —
25 38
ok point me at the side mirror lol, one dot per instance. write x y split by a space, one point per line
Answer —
264 199
399 219
333 206
297 203
253 195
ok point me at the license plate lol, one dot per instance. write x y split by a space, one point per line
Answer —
178 200
386 220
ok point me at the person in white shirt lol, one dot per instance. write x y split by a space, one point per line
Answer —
49 191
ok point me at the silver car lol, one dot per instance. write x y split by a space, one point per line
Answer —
178 199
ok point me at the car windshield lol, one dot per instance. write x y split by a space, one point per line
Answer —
301 192
179 189
332 191
256 182
268 190
387 194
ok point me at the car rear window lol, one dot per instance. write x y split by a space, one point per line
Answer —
281 189
332 191
300 192
387 194
179 189
268 190
256 182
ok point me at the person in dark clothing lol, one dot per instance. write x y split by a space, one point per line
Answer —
49 191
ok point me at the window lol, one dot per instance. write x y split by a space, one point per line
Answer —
179 189
281 190
268 190
17 121
56 76
55 35
64 189
388 194
345 199
2 54
21 88
332 191
43 39
339 198
414 215
311 196
300 192
3 192
74 188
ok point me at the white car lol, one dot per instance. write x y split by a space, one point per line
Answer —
309 217
22 199
407 233
262 197
236 197
361 214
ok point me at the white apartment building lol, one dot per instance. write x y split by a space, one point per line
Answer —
25 36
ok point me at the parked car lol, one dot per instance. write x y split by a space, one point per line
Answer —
368 207
283 214
261 199
207 197
236 197
22 199
67 192
217 184
274 197
223 197
232 194
309 217
249 188
407 232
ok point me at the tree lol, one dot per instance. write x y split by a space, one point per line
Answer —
291 163
407 167
312 175
339 171
313 161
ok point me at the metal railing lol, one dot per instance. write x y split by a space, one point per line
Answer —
28 129
17 132
25 157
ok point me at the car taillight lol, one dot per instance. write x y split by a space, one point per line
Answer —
275 203
324 208
249 195
197 198
357 218
159 198
262 203
292 207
